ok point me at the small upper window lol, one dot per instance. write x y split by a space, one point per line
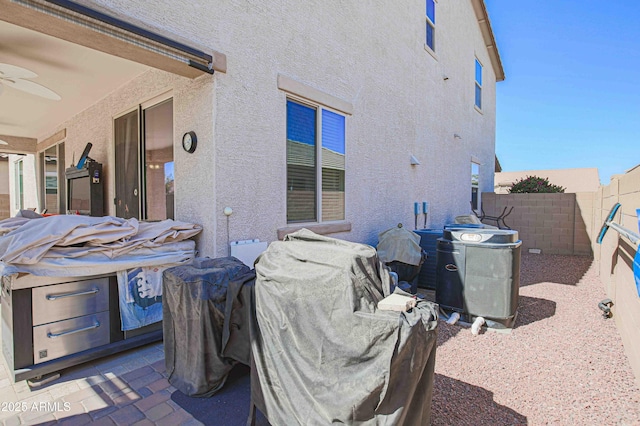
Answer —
478 84
431 24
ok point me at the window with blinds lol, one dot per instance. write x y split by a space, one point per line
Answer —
315 161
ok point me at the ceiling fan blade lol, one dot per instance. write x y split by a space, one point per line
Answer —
33 88
9 71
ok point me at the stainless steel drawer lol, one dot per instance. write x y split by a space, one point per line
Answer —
51 341
63 301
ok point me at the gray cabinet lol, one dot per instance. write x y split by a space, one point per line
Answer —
52 323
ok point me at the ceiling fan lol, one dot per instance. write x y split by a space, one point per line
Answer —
16 77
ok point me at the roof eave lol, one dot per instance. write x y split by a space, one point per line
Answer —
480 10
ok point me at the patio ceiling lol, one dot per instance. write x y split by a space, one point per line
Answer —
80 75
82 52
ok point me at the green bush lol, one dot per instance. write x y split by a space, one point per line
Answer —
533 184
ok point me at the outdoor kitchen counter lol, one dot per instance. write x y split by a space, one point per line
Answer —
51 323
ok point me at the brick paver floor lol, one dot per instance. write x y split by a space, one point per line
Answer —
129 388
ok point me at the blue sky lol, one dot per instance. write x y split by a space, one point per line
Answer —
571 97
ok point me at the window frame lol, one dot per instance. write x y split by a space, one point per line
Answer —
430 23
477 88
145 107
61 181
475 166
19 183
319 108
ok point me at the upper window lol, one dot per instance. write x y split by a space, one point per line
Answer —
431 24
315 159
478 84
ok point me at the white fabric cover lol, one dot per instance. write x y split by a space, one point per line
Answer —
73 245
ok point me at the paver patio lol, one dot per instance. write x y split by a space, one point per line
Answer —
532 375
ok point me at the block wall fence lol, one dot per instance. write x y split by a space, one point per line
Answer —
614 258
552 223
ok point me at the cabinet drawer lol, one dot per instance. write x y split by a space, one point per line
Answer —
63 301
54 340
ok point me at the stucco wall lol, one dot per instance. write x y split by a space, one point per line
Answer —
374 58
615 258
370 55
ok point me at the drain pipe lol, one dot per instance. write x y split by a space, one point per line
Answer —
449 319
425 211
228 211
453 318
477 324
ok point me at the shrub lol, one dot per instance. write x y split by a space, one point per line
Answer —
534 184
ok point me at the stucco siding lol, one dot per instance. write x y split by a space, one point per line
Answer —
370 55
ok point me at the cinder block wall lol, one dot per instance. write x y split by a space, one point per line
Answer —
614 258
553 223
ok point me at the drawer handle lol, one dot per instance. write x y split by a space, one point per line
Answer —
79 293
77 330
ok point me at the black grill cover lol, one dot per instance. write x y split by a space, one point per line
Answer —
205 323
323 352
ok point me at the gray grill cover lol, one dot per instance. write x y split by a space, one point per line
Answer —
323 352
206 323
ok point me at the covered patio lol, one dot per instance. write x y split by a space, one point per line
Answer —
562 363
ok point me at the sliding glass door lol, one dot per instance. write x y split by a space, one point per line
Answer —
144 162
127 171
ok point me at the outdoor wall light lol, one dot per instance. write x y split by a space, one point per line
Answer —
414 161
457 136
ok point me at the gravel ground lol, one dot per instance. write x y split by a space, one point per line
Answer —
562 364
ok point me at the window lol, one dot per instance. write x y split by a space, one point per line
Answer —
475 180
315 136
478 84
19 184
52 179
431 24
144 162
